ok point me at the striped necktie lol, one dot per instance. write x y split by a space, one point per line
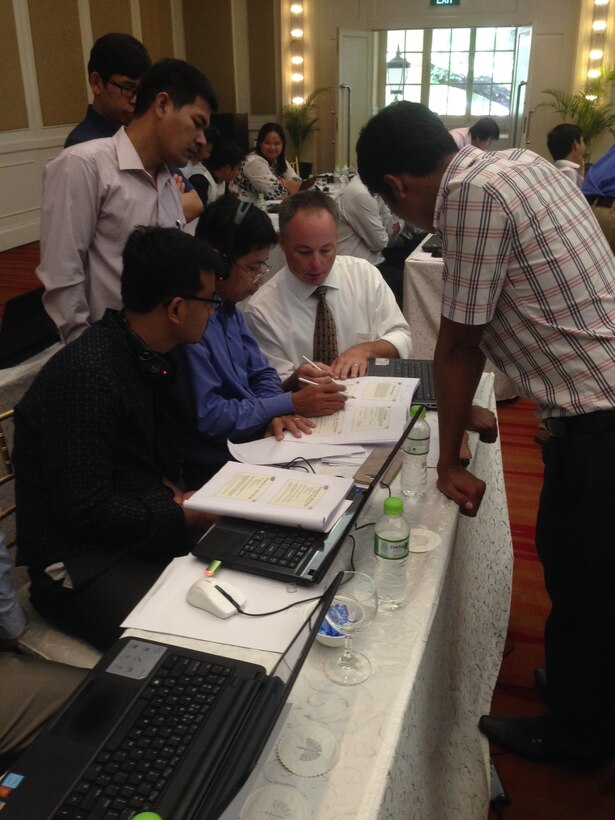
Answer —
325 333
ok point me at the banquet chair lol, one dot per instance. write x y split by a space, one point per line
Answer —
41 638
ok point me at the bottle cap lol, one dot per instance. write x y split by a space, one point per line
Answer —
393 506
147 815
415 407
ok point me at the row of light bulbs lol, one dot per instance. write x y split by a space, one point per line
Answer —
599 25
296 48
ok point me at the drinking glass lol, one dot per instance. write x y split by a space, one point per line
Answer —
353 609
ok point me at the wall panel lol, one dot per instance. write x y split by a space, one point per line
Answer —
262 50
13 112
157 28
209 46
110 15
56 40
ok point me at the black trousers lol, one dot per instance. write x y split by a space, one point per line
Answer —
575 538
95 611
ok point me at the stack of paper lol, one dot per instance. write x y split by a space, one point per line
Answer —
275 495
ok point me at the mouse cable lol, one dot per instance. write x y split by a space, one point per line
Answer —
261 614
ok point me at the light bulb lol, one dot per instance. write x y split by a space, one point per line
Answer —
599 25
296 60
296 77
296 8
596 54
296 32
593 73
600 2
297 100
590 97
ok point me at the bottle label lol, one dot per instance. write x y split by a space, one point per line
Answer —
416 446
391 550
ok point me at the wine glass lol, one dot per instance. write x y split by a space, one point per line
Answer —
353 608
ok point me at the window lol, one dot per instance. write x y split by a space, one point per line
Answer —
457 72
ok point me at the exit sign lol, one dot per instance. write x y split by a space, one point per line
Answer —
444 2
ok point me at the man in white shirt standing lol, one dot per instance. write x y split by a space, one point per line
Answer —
282 315
96 193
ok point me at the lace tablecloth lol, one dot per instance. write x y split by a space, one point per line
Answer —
405 743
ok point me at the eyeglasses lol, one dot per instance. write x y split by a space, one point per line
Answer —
256 270
215 302
127 90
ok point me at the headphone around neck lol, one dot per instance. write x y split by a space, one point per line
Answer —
153 365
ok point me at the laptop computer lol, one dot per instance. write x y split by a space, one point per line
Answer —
421 369
286 553
155 727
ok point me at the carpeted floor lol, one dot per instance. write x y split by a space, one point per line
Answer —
537 792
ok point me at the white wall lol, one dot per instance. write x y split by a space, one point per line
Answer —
555 63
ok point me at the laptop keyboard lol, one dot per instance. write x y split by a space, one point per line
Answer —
280 546
416 369
129 775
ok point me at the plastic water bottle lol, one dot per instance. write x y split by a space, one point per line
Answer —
261 202
391 546
414 457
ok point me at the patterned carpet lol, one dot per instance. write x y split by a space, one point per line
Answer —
536 792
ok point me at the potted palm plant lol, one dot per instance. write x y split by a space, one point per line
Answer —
299 120
590 108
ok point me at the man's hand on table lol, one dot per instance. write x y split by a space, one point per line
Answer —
351 363
297 425
462 487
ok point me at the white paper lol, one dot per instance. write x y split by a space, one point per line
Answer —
258 492
360 423
165 609
381 389
270 451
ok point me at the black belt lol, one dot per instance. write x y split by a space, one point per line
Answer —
603 421
600 201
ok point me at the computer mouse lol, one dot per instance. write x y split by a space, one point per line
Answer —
207 594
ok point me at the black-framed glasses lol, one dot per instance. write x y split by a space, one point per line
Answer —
215 302
256 270
127 90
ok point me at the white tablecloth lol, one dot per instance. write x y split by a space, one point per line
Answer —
408 742
422 304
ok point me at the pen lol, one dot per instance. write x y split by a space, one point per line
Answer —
212 568
307 381
309 361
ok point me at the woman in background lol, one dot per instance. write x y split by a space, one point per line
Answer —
265 170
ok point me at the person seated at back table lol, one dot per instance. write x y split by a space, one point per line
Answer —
366 321
366 226
567 147
212 176
115 68
99 512
265 169
482 134
225 387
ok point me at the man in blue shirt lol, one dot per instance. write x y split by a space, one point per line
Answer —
599 188
226 388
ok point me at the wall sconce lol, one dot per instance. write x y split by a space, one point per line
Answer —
297 72
597 39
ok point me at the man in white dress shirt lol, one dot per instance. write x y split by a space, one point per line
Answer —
96 193
282 314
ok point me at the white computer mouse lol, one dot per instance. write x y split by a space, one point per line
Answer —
205 594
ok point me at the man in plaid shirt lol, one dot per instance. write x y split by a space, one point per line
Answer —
529 280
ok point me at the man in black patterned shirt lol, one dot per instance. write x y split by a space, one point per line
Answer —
99 512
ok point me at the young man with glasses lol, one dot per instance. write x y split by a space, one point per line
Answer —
99 509
117 63
95 193
225 387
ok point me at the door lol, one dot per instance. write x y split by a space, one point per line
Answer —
355 92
